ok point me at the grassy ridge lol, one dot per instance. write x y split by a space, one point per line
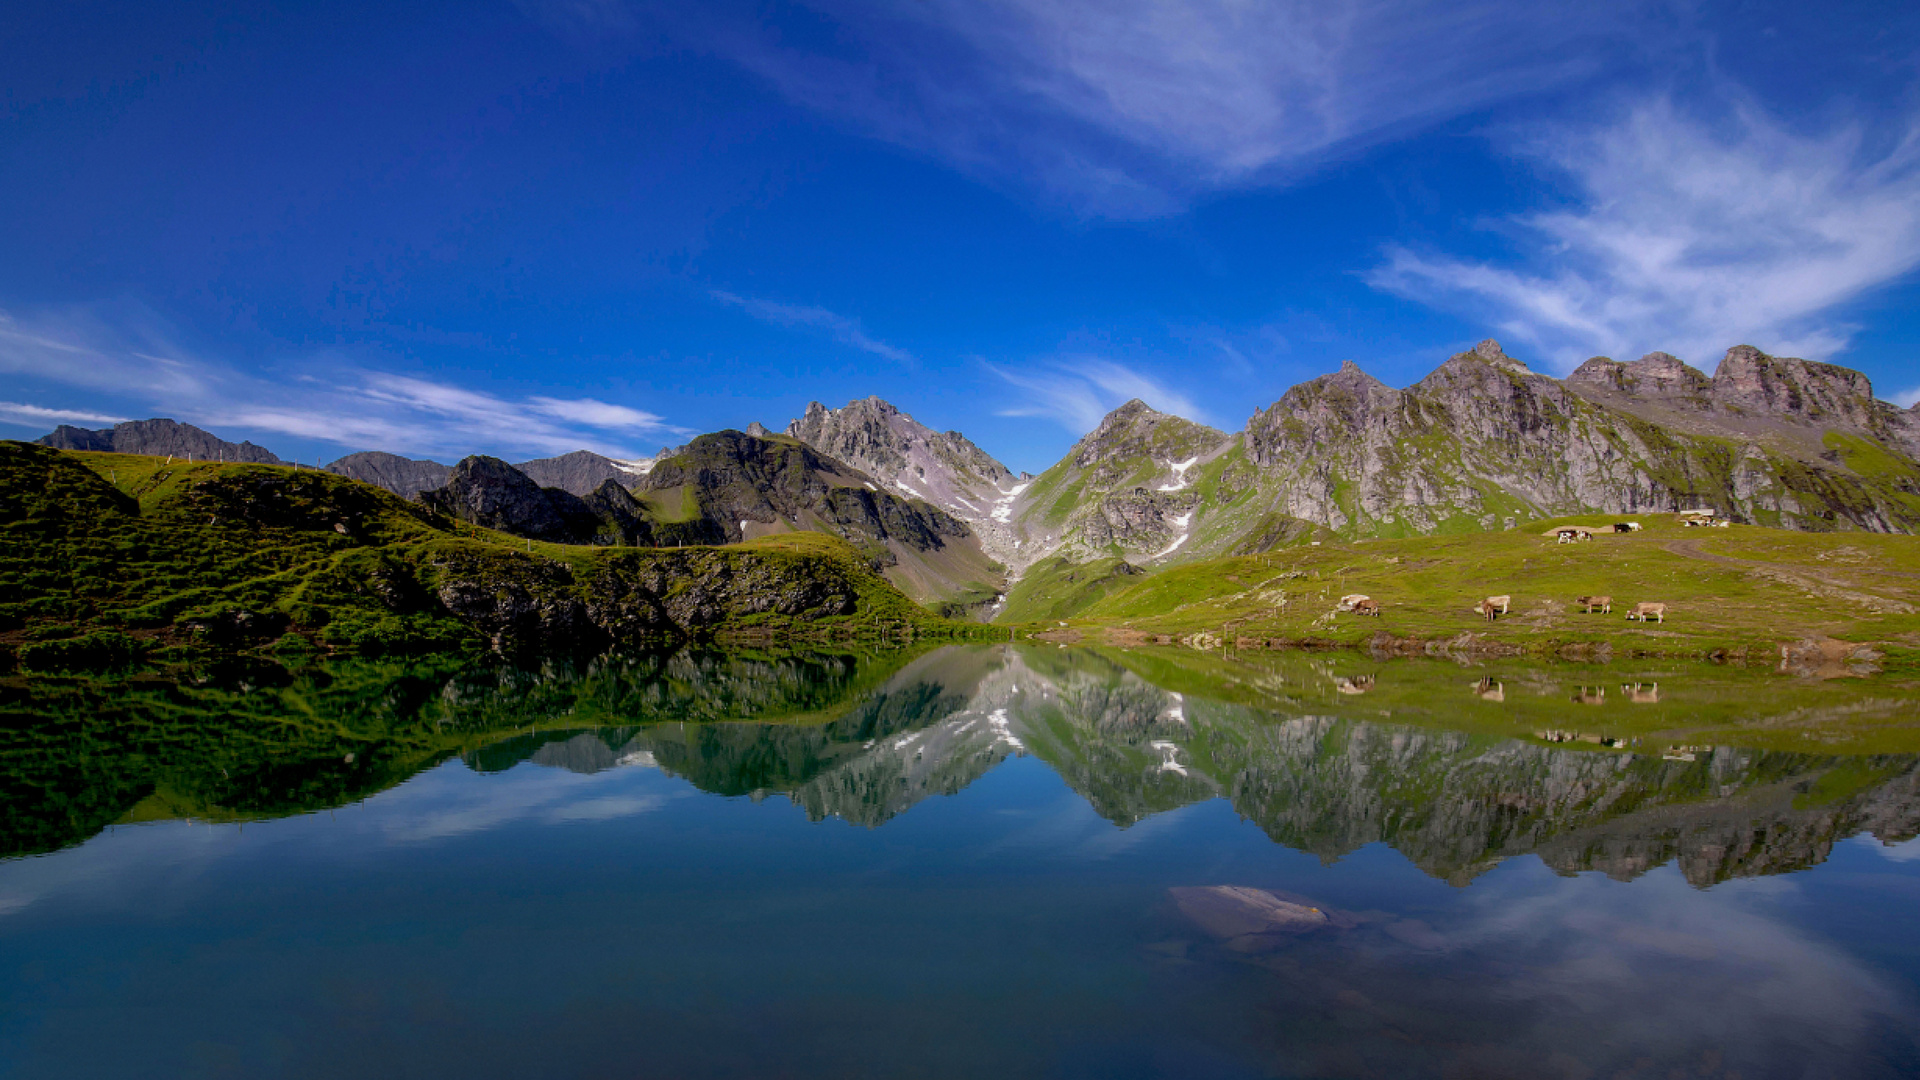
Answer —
105 556
1743 587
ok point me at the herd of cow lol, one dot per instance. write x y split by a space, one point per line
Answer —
1495 606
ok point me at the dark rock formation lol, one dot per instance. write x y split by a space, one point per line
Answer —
1485 438
405 477
579 473
159 438
943 468
488 492
736 480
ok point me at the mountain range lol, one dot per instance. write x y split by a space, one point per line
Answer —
1481 443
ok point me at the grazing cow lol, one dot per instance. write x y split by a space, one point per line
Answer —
1487 609
1590 604
1357 684
1501 602
1367 606
1490 689
1644 612
1348 601
1632 526
1641 693
1563 537
1590 695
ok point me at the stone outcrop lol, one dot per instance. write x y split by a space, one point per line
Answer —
1486 439
738 481
581 472
488 492
906 457
159 438
405 477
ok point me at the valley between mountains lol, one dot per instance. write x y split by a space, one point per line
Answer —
1154 527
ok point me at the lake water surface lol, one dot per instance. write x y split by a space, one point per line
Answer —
978 861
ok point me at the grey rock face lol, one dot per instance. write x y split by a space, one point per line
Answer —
1750 380
579 473
1483 437
489 492
910 459
158 437
736 479
1656 375
405 477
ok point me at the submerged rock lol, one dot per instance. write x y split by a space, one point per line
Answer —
1252 920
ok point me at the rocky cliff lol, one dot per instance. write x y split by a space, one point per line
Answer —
488 492
910 459
581 472
1484 443
1129 488
157 437
733 486
405 477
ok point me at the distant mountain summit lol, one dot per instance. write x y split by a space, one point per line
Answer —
944 468
1129 487
160 438
488 492
580 472
405 477
741 487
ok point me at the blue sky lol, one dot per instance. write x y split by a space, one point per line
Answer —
526 227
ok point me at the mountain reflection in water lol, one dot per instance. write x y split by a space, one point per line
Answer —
1151 863
866 737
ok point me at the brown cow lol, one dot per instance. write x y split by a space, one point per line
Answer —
1487 609
1641 693
1501 602
1590 695
1643 612
1589 604
1367 606
1490 689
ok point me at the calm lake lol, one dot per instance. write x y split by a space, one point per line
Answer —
975 861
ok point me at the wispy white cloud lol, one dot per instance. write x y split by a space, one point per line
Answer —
1907 398
1127 107
1077 392
125 354
845 330
1689 238
13 412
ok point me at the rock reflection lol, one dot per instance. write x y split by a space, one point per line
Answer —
866 738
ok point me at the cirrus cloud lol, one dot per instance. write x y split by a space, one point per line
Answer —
1689 238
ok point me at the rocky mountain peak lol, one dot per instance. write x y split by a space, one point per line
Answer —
911 459
578 473
405 477
487 491
758 430
1490 350
1657 374
158 437
1750 380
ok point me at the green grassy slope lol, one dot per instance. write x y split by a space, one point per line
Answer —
246 738
1726 589
1059 588
107 555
